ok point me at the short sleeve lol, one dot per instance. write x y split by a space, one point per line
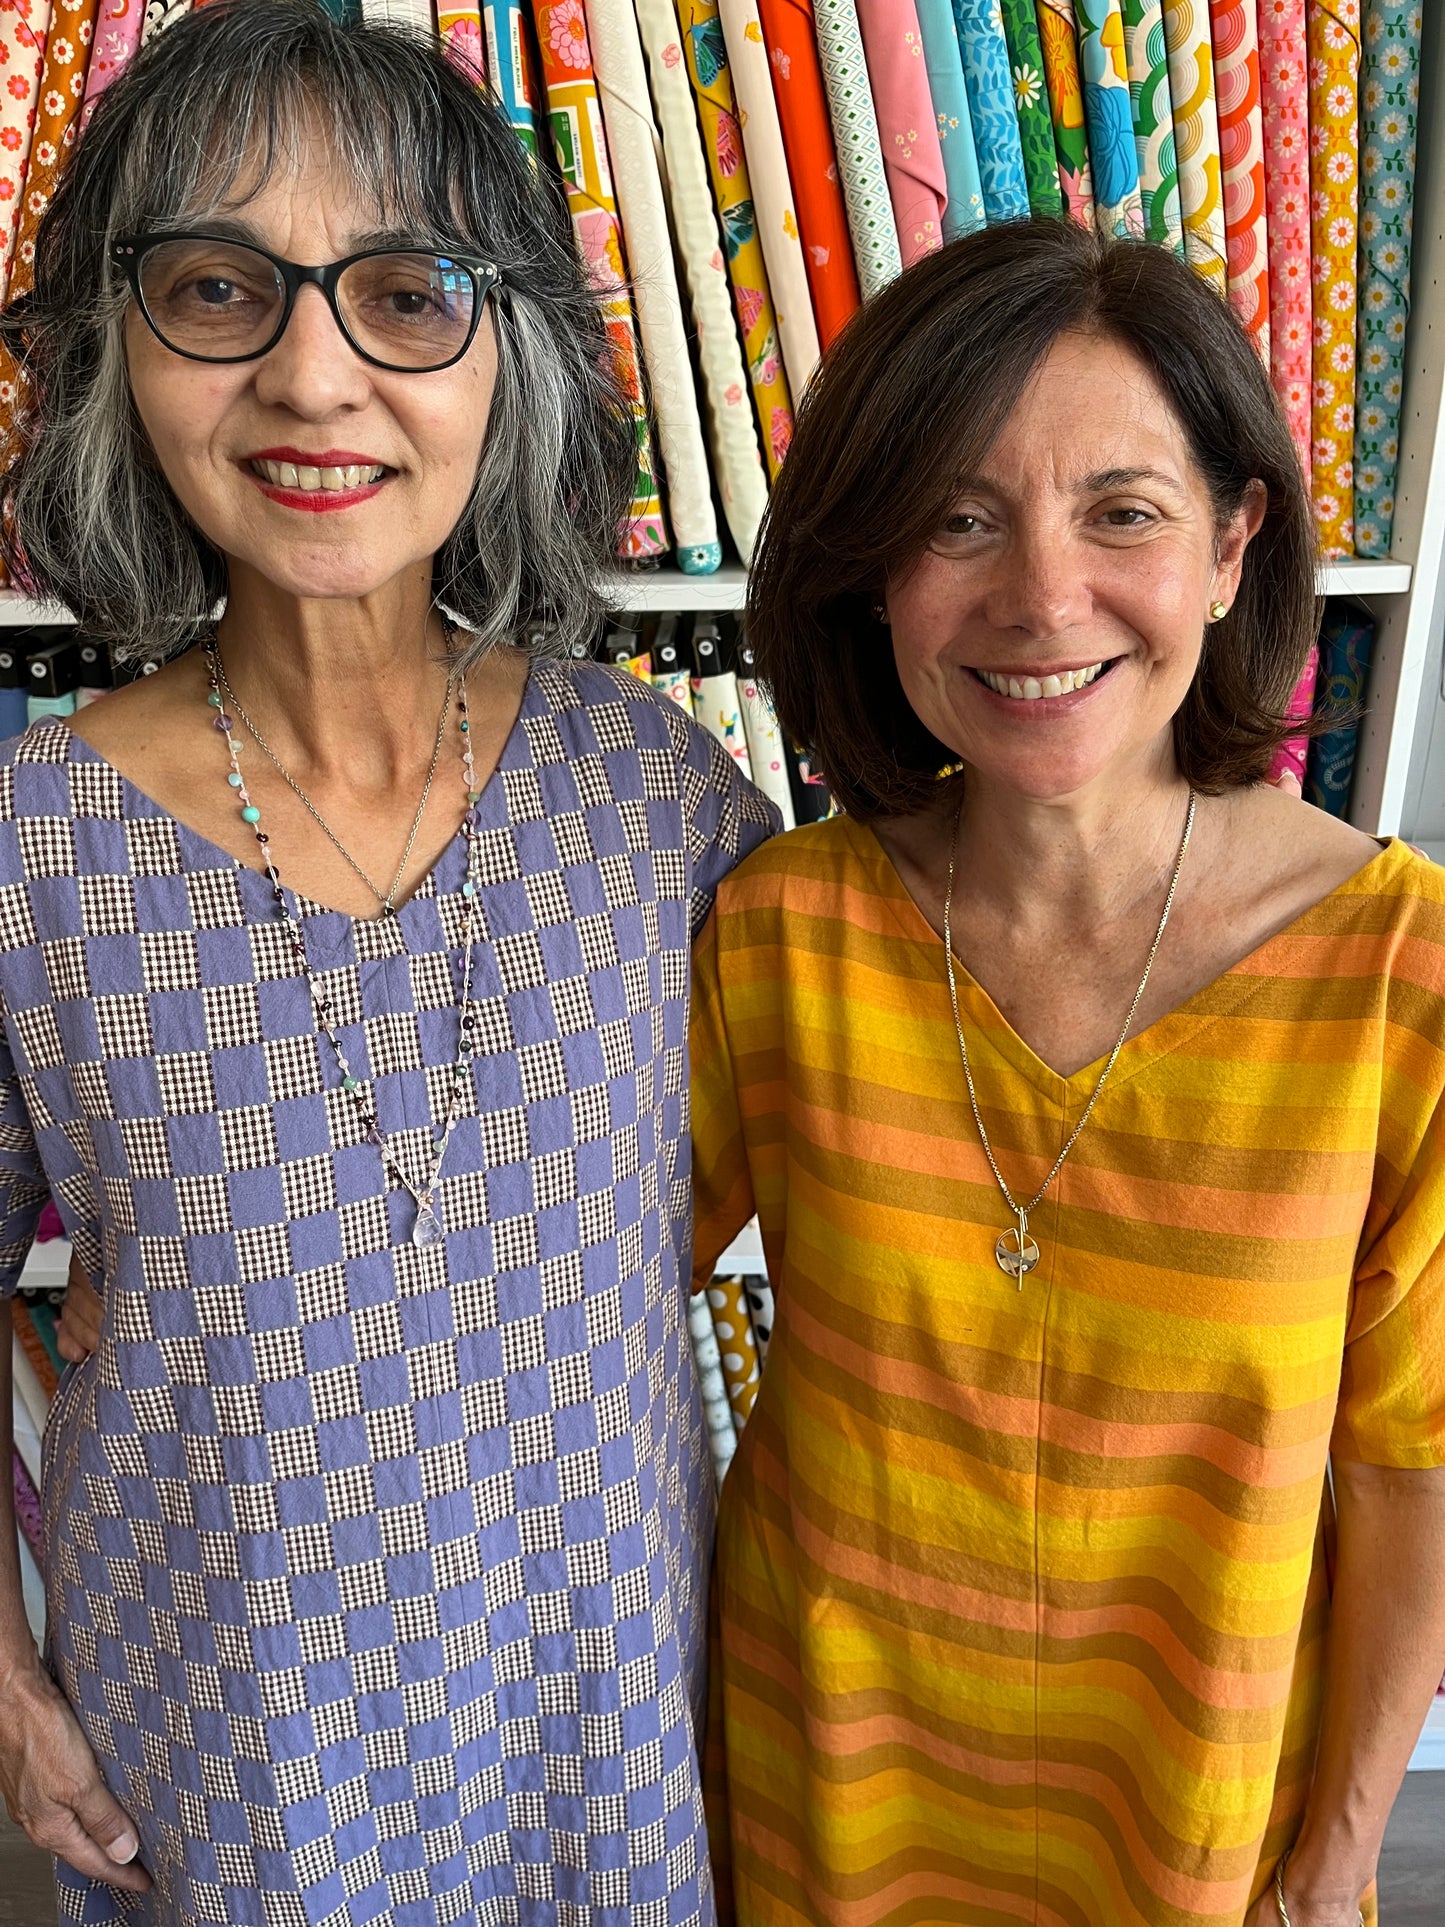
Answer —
722 1183
724 816
1392 1390
23 1187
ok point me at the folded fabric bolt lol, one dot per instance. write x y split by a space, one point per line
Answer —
1031 105
1058 38
860 153
1241 155
1196 137
1148 64
912 157
964 210
1118 208
1284 84
1332 32
984 51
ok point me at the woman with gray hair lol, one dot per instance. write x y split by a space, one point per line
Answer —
343 966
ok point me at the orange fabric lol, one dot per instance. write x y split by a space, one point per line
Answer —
812 164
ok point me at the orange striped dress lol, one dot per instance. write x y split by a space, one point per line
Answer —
1021 1595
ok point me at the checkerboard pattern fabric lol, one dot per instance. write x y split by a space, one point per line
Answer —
375 1571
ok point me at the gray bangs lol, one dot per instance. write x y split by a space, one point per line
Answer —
196 127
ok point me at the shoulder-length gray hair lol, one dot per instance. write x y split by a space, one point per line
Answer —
198 123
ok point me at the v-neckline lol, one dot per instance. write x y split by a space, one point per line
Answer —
214 856
1220 997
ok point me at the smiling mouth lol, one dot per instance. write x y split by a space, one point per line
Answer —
326 481
1033 689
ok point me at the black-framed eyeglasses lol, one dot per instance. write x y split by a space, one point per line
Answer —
210 298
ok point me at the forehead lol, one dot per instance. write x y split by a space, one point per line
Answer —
1091 406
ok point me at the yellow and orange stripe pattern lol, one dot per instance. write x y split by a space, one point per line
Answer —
1021 1594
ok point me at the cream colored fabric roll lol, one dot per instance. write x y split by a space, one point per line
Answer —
738 459
772 190
633 144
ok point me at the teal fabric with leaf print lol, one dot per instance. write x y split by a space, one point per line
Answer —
984 49
1389 110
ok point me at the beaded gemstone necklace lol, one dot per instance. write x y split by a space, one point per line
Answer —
428 1227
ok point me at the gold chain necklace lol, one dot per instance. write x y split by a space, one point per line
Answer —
1017 1253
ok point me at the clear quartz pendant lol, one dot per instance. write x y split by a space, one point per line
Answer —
428 1226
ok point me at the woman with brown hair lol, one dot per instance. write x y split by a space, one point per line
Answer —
1089 1094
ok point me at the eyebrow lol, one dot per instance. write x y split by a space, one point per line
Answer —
229 227
1099 483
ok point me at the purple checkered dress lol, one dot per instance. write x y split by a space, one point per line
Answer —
376 1571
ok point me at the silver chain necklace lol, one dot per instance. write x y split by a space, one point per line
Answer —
387 899
427 1227
1016 1251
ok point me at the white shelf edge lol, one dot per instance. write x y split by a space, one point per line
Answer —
668 590
1429 1754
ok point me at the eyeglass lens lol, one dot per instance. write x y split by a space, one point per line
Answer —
222 301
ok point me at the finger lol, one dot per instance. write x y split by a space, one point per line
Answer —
70 1348
100 1824
77 1274
74 1845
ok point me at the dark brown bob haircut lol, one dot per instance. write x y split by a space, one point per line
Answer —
908 402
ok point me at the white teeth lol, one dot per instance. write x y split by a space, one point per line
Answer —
1031 689
289 475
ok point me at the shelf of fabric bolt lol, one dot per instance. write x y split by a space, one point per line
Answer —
668 589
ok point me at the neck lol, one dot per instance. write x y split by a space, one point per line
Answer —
338 683
1076 861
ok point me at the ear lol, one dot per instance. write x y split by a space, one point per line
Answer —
1234 538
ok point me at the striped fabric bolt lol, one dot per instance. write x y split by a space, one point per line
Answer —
22 56
632 145
876 252
1284 83
705 52
1389 105
812 164
1196 138
949 92
1022 1594
1234 24
912 157
737 459
1058 37
772 190
1333 30
579 142
1031 105
1153 122
1118 208
984 50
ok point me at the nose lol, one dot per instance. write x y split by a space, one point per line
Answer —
313 370
1039 585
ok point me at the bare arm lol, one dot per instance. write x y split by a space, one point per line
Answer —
48 1776
1387 1657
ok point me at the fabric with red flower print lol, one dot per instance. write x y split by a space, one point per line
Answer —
23 25
1333 39
1235 30
1284 89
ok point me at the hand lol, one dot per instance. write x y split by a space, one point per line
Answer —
53 1789
78 1333
1303 1911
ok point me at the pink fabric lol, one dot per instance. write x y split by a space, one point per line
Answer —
1284 84
22 56
1241 144
907 130
1290 757
118 30
49 1226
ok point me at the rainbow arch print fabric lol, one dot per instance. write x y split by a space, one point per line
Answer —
1241 154
1196 138
1103 64
1148 62
1389 107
